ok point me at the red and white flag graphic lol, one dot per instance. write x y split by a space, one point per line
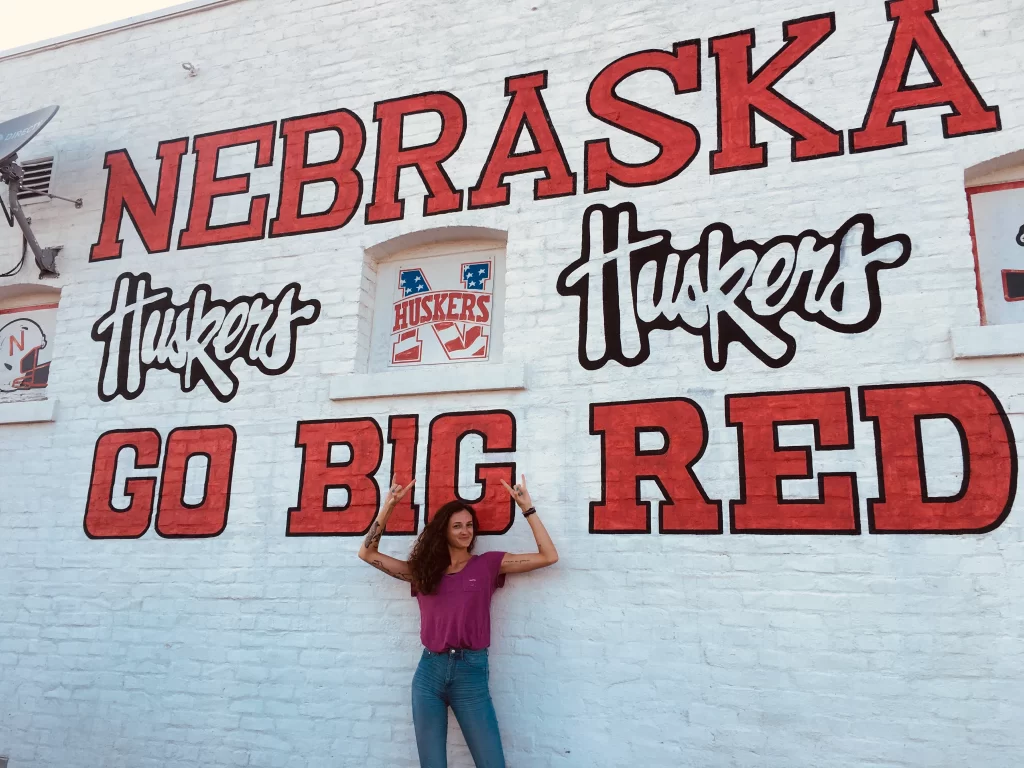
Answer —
454 298
462 342
408 348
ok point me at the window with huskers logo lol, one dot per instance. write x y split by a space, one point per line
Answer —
439 303
27 323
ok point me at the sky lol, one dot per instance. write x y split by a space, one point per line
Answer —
29 21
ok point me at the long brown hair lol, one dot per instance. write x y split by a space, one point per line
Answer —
430 556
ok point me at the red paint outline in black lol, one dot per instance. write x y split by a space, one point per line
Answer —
902 125
922 469
485 450
416 509
126 491
607 144
502 184
152 204
751 75
398 169
253 201
1015 293
1011 439
334 465
904 86
808 456
640 478
302 185
206 482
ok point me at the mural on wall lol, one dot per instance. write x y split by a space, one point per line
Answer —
904 504
176 518
26 348
722 290
453 301
741 94
199 339
628 281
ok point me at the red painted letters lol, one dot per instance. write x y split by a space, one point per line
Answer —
526 112
442 197
742 92
677 140
681 424
764 464
989 456
904 504
916 30
207 187
102 520
126 194
298 173
177 519
403 435
313 516
498 429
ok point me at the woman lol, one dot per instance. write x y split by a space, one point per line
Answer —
454 588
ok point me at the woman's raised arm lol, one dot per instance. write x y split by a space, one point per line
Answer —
546 554
368 552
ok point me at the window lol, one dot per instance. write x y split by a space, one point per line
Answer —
28 318
997 229
995 207
431 319
439 303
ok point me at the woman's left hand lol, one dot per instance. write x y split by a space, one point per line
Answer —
519 493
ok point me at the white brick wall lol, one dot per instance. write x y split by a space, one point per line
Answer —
253 649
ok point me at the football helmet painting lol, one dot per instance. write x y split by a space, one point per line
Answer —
21 344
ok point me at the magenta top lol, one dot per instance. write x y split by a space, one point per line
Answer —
458 614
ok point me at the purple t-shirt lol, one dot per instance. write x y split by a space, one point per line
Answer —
458 614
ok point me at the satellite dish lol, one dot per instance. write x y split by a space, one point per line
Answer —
15 134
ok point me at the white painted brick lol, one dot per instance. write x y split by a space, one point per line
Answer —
253 649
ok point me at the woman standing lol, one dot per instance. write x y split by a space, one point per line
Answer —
454 589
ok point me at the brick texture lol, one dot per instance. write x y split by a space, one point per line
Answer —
739 651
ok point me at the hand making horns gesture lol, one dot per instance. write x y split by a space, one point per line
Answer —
396 493
519 493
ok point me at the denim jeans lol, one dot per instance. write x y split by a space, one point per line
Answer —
456 679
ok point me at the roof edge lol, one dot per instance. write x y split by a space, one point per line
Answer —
183 9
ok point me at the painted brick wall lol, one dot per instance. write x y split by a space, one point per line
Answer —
256 649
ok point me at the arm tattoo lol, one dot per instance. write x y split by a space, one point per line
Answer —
384 569
372 539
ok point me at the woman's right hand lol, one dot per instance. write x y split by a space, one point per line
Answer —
395 494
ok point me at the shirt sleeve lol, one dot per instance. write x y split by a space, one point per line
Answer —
493 562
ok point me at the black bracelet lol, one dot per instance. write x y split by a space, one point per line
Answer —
530 511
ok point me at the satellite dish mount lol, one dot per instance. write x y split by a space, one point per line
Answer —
15 134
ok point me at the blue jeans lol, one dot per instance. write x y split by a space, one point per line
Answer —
456 679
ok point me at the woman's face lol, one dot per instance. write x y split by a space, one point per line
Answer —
460 530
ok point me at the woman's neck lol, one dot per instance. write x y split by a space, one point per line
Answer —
458 556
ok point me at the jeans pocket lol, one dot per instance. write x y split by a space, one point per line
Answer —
477 660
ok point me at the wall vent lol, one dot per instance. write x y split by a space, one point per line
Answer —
37 177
